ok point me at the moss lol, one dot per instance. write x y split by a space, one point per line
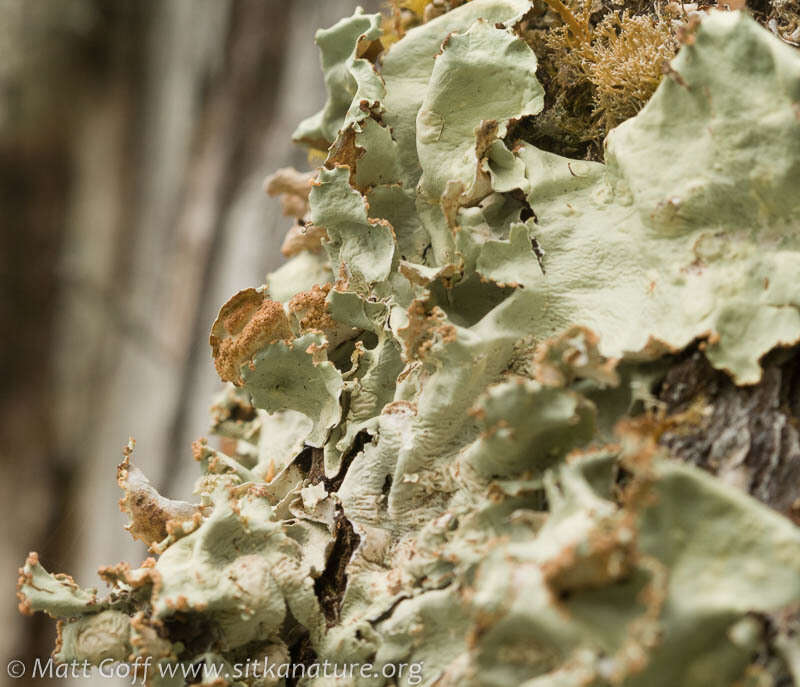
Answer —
599 66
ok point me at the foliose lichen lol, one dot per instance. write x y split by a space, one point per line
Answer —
446 443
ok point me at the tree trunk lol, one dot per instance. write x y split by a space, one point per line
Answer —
133 148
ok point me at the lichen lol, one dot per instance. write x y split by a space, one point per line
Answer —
458 435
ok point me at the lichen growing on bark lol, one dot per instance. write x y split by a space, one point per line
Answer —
462 407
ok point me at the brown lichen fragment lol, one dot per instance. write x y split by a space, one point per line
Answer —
309 312
115 574
293 187
416 276
59 644
301 237
573 355
370 50
485 136
146 641
248 322
25 578
425 327
344 152
451 203
686 33
748 436
200 449
143 577
180 528
149 512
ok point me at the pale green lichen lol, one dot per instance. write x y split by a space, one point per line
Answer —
444 447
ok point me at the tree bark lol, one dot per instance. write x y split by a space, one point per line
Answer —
747 436
133 146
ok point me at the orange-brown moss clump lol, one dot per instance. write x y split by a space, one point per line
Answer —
599 67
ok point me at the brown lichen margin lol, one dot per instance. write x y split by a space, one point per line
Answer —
24 578
245 324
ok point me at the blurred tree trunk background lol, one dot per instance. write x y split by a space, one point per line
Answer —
134 139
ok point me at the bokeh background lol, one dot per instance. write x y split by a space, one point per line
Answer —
134 139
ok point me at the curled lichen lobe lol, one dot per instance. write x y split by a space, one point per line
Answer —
150 513
245 324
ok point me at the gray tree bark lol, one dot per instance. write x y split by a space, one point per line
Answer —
134 139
